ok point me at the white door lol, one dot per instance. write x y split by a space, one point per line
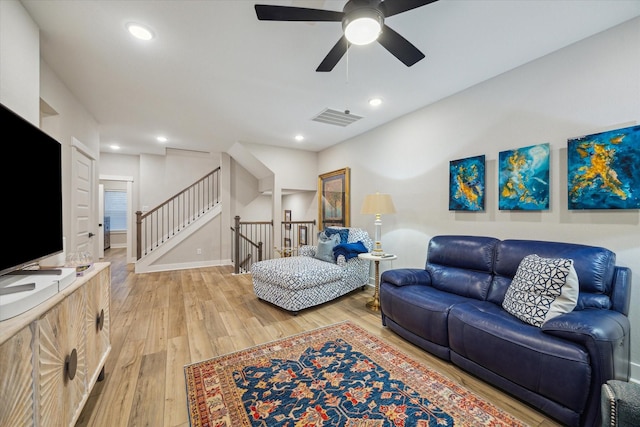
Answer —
82 197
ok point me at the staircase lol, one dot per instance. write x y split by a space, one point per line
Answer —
173 221
163 228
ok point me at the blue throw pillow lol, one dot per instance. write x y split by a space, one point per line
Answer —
349 250
342 232
325 247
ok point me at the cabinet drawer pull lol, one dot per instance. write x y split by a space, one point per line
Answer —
100 320
71 364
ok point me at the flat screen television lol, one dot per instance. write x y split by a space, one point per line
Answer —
31 183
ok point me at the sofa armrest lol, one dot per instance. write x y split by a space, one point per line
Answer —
406 276
354 270
621 293
590 324
604 333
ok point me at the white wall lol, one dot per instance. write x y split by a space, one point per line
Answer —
162 177
120 165
291 167
247 201
303 205
588 87
202 249
184 167
20 63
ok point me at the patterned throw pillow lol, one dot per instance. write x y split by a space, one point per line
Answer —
325 247
542 288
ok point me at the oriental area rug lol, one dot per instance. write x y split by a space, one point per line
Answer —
339 375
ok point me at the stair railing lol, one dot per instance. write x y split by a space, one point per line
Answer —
250 242
295 234
155 227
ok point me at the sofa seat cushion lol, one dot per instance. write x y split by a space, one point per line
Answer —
297 272
487 335
420 309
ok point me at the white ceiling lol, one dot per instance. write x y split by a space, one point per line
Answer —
215 75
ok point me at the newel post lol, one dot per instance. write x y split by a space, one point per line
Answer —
138 234
236 245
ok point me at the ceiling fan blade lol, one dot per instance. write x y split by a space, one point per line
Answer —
393 7
399 47
334 55
289 13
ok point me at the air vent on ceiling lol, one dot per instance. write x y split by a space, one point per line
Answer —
335 117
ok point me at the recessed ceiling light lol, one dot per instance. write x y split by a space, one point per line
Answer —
162 139
114 146
139 31
374 102
299 138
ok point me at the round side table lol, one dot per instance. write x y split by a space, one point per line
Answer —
374 303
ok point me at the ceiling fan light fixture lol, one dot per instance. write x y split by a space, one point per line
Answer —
362 23
362 26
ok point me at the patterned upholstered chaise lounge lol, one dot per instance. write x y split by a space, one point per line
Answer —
302 281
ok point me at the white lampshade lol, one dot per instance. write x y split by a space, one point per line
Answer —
377 204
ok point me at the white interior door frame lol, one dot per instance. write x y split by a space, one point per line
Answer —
100 221
130 217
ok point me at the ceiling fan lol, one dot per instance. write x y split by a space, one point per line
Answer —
362 23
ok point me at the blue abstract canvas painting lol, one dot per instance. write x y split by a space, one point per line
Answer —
604 170
467 184
523 183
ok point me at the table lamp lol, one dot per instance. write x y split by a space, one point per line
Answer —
377 204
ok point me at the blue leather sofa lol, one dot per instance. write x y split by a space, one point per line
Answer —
453 309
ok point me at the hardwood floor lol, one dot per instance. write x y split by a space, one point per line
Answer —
163 321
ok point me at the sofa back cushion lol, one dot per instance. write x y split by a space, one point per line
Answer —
594 266
461 265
